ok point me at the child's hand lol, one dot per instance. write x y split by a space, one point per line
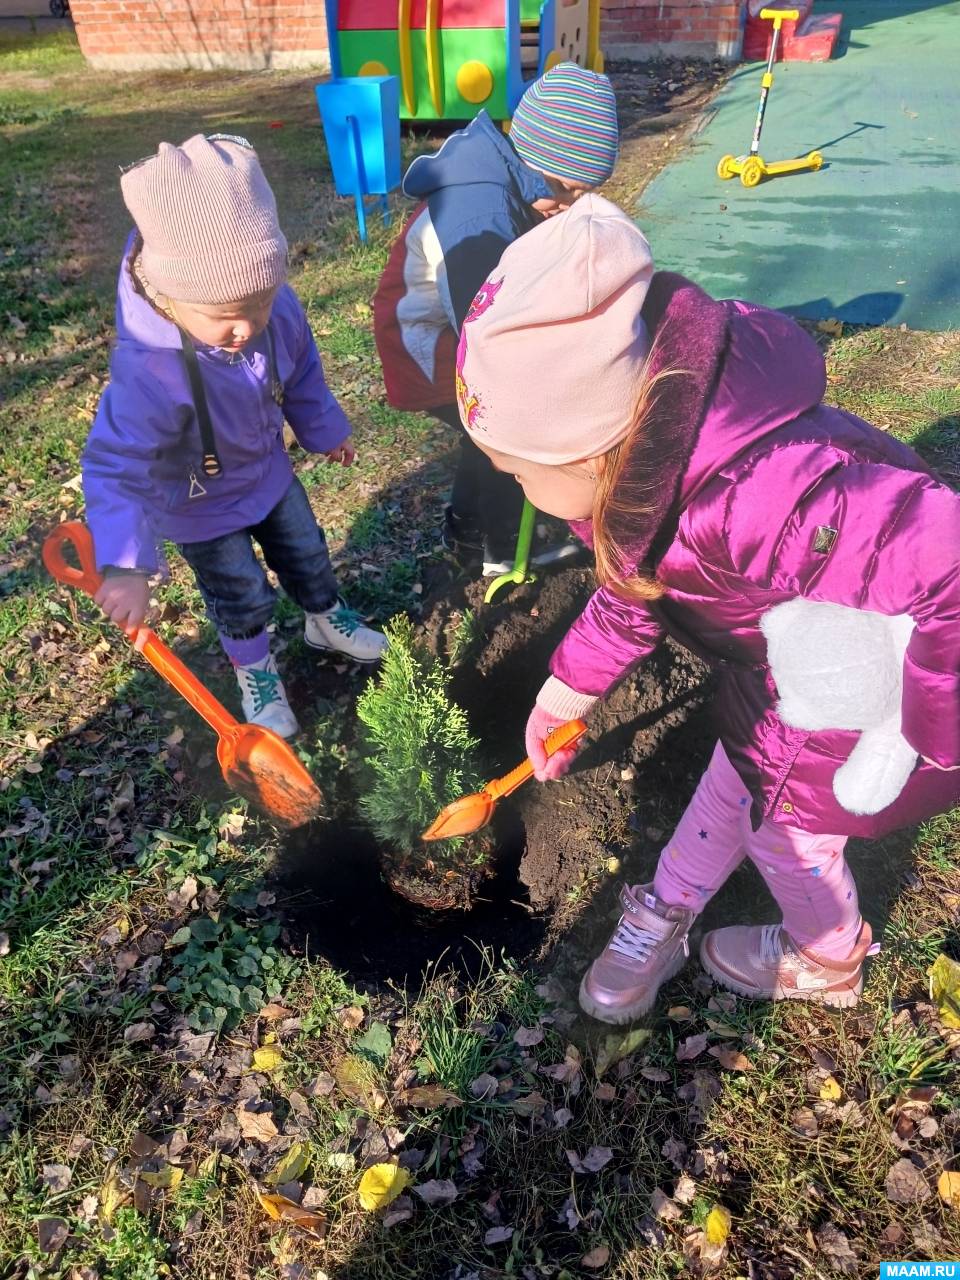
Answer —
545 768
125 598
344 453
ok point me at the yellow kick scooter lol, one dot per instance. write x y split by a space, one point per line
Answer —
752 167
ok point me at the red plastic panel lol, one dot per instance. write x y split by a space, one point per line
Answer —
381 15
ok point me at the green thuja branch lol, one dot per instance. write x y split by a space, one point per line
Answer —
419 749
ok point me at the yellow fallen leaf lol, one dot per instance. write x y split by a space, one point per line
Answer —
381 1184
267 1058
291 1167
830 1091
207 1167
833 327
948 1185
283 1210
113 1194
170 1176
679 1013
717 1226
944 978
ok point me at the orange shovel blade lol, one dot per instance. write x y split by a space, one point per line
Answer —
255 762
470 813
260 766
462 817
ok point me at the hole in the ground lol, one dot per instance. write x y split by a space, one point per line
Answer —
345 913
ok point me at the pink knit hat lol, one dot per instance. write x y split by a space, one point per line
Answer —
208 220
551 349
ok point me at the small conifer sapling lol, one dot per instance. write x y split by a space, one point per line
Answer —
420 756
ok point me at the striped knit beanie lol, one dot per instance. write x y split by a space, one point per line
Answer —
566 125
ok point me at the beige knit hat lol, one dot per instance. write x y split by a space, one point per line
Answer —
552 348
208 220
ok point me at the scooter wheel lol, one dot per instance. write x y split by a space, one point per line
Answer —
751 173
814 159
725 168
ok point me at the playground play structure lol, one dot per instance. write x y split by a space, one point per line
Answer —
453 58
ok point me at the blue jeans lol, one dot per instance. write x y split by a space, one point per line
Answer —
238 597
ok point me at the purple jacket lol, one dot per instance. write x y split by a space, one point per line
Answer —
765 468
145 444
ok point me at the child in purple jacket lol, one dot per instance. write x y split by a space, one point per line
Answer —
809 556
214 351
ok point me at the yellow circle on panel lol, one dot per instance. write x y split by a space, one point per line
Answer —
373 69
475 82
554 56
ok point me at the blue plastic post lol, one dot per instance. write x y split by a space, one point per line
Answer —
361 123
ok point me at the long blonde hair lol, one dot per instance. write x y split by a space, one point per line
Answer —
623 498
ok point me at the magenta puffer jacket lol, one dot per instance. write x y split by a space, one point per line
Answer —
777 496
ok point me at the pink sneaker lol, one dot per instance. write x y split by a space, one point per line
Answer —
648 946
761 962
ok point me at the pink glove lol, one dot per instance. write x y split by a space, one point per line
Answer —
556 704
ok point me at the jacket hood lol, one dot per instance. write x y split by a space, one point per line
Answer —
479 153
770 373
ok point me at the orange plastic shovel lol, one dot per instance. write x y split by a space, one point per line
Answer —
470 813
256 762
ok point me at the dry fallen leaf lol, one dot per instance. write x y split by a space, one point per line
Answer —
944 977
498 1235
686 1189
680 1013
833 327
274 1012
437 1192
52 1234
169 1176
357 1082
427 1096
692 1047
113 1194
717 1226
905 1184
526 1037
310 1221
656 1074
617 1045
351 1017
663 1206
268 1057
830 1090
484 1087
381 1184
804 1122
595 1159
948 1185
291 1166
256 1125
605 1093
730 1059
835 1247
596 1258
56 1176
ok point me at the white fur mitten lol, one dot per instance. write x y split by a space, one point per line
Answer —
841 668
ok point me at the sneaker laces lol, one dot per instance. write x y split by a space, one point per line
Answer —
771 945
344 619
633 941
263 687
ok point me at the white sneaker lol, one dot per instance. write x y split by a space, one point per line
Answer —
343 630
264 697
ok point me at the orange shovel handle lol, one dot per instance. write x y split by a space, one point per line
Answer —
163 660
565 735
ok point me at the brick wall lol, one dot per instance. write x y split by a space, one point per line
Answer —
135 35
677 28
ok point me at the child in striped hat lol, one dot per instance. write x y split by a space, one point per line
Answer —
478 194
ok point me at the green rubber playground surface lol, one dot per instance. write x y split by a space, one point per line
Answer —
873 237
